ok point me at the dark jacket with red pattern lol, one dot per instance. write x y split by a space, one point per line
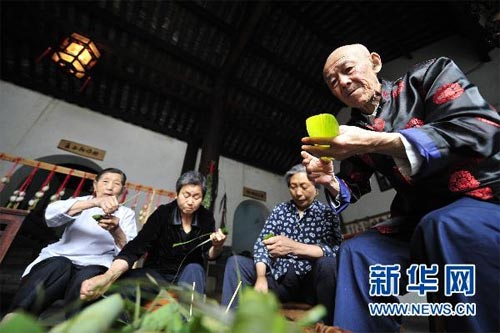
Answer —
453 128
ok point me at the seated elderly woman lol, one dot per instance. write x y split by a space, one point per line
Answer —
295 253
86 248
183 221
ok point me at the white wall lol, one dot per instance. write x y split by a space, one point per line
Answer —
31 125
233 176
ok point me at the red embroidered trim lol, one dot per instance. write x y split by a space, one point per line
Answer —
461 181
398 90
447 92
489 122
386 229
484 193
414 122
378 124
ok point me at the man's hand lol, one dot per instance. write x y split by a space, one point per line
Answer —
352 141
280 246
320 171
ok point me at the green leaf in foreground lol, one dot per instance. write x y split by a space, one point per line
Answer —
312 316
96 318
265 307
20 322
167 318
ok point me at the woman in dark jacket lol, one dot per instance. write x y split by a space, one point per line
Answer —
171 238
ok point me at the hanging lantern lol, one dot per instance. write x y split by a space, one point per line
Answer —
77 54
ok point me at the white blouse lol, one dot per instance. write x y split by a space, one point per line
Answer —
84 242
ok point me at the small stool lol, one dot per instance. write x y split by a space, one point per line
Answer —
295 310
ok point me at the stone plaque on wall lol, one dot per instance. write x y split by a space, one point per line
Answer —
254 194
81 149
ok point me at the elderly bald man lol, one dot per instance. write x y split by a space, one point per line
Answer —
437 141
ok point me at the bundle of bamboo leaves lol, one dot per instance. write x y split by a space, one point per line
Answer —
257 312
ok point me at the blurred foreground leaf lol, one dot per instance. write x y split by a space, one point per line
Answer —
20 322
96 318
312 316
166 319
259 312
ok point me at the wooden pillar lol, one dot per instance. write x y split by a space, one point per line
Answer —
190 156
212 140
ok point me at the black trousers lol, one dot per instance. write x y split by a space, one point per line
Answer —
52 279
126 284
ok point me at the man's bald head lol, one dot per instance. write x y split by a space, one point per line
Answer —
358 50
350 72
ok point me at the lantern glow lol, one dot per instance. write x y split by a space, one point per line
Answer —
77 54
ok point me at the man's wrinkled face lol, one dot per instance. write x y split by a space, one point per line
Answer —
351 75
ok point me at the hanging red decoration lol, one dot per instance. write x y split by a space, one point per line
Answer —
60 191
158 201
18 195
43 189
144 209
124 196
80 185
134 203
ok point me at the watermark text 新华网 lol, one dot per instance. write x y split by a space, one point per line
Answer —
458 279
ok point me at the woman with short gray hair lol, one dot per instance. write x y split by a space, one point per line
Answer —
171 236
295 253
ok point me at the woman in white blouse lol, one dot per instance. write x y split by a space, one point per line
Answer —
86 248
